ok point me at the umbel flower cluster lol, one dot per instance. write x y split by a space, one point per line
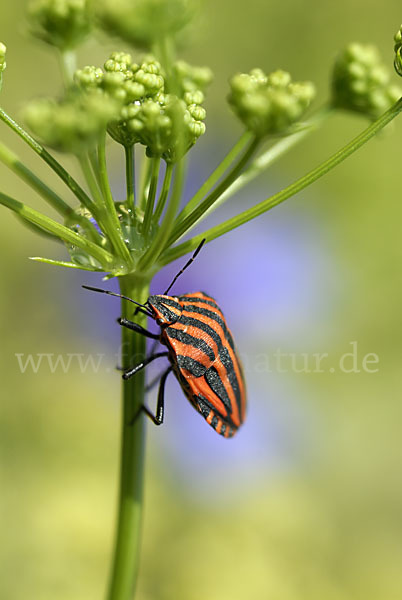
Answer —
269 104
167 124
362 83
156 102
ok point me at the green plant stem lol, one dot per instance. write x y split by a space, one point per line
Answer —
130 176
93 159
144 181
12 161
92 182
68 65
164 193
158 243
153 185
181 227
48 158
126 556
58 230
165 50
114 230
265 160
287 192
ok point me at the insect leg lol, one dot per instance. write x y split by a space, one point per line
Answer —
158 417
130 372
137 328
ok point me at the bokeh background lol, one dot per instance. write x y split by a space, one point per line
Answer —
305 502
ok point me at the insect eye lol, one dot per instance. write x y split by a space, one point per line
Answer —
160 321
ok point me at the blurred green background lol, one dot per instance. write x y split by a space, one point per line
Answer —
306 502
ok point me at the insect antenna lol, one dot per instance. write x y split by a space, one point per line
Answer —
100 290
188 263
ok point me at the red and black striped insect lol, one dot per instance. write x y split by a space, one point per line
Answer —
201 352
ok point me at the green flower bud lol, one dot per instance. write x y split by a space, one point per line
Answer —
269 104
144 22
3 63
74 123
361 82
196 97
60 23
192 79
398 51
166 126
88 77
197 112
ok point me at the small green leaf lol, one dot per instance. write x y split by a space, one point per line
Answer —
60 231
60 263
37 229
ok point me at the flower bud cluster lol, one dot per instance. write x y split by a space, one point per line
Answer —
398 51
60 23
166 124
74 123
269 104
361 82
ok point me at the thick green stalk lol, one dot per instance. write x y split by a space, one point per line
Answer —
287 192
126 557
48 158
181 227
216 175
130 176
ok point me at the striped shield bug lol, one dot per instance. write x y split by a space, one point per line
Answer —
201 353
